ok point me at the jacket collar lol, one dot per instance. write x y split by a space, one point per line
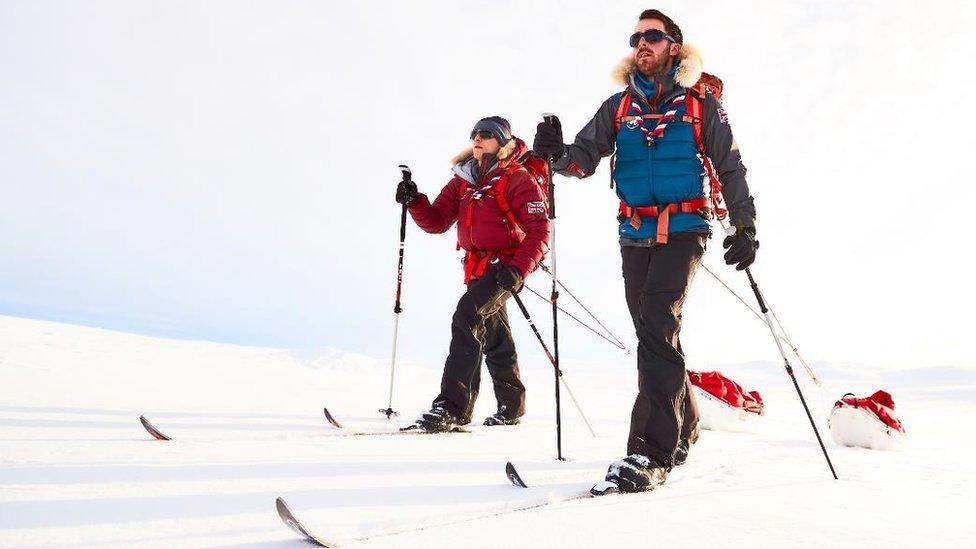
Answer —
689 70
467 167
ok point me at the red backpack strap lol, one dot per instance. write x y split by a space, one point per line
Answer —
695 106
625 101
500 187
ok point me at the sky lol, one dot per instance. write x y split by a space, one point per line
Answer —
225 171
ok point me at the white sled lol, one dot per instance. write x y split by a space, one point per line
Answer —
718 415
859 427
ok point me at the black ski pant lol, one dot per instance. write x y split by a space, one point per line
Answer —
656 280
480 327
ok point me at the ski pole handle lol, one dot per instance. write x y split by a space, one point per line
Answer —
551 119
406 172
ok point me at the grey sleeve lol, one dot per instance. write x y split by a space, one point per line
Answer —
721 147
595 141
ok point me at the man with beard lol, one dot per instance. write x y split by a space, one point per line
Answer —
652 128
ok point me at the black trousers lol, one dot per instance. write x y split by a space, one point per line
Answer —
480 328
656 280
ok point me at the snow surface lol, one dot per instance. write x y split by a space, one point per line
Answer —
77 468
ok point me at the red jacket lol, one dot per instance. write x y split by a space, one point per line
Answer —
489 229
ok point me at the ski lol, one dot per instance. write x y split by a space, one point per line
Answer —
599 489
292 522
156 433
603 488
513 475
535 479
284 512
331 419
412 429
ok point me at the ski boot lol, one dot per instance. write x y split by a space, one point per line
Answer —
438 420
636 473
501 417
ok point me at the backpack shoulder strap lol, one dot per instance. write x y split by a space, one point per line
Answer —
622 107
501 186
694 108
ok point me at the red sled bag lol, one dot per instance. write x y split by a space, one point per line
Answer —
866 422
723 404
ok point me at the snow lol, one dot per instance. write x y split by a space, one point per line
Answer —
221 172
77 468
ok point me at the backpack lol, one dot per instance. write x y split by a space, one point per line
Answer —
694 100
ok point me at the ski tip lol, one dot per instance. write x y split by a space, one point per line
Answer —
331 419
513 475
156 433
286 516
604 488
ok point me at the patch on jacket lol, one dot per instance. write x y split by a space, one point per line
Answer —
538 208
723 117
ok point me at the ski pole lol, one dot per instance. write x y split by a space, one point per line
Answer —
552 359
554 296
389 412
616 340
786 361
581 323
782 335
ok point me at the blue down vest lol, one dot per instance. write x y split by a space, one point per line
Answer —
665 172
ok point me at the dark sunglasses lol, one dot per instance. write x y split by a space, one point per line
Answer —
484 134
651 36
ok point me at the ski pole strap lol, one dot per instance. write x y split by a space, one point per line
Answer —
663 213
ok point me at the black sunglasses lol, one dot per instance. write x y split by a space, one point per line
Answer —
484 134
651 36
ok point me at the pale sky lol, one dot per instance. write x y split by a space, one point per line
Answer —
225 170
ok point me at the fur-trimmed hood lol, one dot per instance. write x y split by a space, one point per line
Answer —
464 164
689 70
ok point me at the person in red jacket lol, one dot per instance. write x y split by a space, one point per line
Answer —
501 249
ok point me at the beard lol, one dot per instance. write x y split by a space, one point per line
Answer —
652 64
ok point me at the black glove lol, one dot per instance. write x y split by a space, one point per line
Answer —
742 246
509 278
548 140
406 192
